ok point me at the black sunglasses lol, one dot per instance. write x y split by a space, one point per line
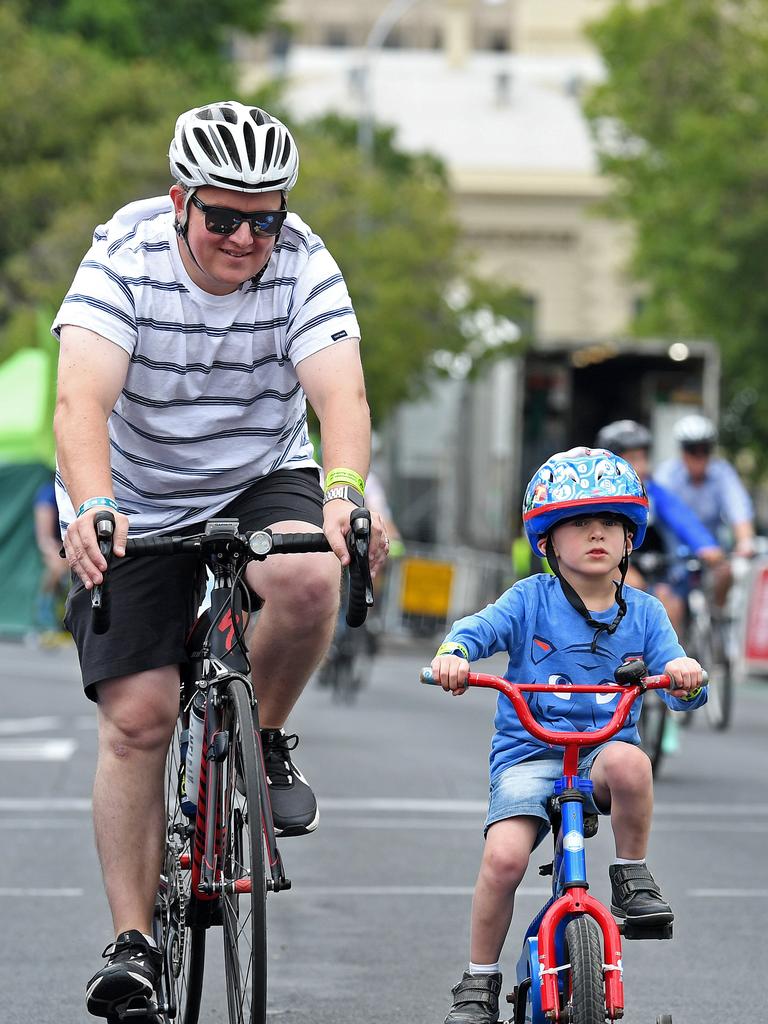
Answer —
696 448
220 220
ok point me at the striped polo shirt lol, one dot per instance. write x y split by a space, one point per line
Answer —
211 401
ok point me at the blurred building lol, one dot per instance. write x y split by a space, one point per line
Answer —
495 90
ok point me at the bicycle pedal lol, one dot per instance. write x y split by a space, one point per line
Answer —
591 823
545 869
137 1011
649 930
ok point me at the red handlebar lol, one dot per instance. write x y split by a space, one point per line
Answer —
514 691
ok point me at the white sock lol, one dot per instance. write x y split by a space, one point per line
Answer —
623 860
483 968
150 940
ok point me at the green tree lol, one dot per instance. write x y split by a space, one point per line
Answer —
680 126
390 226
192 33
80 134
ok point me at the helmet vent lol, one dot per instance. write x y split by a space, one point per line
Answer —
187 149
259 116
286 152
250 144
228 114
269 148
205 144
228 140
183 170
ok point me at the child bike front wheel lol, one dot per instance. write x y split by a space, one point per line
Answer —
584 950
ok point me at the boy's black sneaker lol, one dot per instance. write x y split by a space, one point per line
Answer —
129 977
635 896
294 807
475 999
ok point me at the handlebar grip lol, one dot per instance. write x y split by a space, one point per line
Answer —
357 608
425 676
104 525
299 542
360 582
162 545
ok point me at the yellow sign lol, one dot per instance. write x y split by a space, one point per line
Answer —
426 587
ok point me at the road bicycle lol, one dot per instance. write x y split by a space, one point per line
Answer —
571 967
347 664
221 856
707 637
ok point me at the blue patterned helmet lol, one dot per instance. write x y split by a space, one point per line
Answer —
579 481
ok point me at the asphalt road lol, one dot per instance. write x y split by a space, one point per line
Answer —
376 925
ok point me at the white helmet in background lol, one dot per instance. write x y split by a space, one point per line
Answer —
233 146
695 429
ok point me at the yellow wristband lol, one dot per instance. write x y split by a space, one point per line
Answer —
452 647
345 476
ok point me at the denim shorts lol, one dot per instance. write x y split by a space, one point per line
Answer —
524 788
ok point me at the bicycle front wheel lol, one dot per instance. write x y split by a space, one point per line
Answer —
587 988
245 888
720 689
653 719
182 946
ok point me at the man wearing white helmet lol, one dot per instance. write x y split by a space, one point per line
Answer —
196 328
708 484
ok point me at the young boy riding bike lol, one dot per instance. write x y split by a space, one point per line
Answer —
584 509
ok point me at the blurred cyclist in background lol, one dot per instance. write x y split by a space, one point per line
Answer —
55 577
711 488
671 523
709 484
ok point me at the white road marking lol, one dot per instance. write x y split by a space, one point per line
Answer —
10 803
37 749
40 892
9 726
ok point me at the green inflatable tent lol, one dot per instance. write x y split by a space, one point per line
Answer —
27 395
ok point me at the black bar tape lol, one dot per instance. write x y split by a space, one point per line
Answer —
357 607
294 543
104 525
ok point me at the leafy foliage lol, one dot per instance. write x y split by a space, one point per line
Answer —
192 33
680 124
83 132
391 228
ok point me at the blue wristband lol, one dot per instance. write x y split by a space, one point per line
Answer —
97 502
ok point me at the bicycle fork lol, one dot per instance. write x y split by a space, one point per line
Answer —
576 901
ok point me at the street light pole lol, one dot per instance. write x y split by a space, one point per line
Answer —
383 25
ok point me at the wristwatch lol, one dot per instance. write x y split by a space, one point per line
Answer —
346 492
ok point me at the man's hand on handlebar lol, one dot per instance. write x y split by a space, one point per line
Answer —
336 527
686 672
82 547
451 672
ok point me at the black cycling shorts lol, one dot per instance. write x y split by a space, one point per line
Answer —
154 600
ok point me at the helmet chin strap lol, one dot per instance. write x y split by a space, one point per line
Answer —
578 604
182 231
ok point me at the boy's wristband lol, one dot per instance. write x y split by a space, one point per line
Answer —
692 695
452 647
334 477
96 503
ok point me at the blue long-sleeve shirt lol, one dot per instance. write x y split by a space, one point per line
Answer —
549 642
678 519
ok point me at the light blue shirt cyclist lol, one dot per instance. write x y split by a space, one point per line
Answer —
709 485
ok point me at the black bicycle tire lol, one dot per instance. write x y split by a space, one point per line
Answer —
242 819
719 706
653 719
187 977
587 986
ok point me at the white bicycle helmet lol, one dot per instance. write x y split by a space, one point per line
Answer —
695 429
233 146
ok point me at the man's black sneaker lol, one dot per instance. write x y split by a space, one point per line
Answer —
475 999
294 808
129 978
635 896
